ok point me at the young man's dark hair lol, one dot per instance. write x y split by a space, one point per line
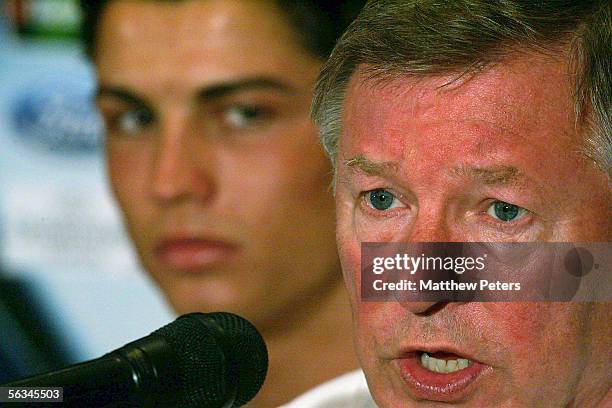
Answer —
319 23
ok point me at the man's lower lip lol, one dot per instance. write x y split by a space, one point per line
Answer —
194 256
444 387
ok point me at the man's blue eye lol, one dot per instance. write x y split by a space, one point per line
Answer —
380 199
505 211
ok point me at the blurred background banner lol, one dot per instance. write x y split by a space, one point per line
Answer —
44 18
68 268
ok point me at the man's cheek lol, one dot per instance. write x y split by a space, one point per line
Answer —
531 329
350 259
521 322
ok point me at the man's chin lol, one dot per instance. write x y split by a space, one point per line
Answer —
187 297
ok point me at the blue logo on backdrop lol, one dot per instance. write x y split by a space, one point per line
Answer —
57 114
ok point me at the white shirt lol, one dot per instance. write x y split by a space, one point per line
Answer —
347 391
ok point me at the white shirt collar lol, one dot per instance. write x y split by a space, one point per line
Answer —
347 391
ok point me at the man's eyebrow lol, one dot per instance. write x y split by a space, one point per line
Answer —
119 93
370 167
498 174
222 89
206 93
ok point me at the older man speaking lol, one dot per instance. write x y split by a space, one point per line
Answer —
474 121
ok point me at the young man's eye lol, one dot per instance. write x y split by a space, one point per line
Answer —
243 116
381 200
506 212
133 121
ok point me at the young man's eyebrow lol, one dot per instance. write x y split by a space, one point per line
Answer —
205 93
124 95
219 90
369 167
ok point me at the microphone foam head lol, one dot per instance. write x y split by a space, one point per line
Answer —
247 350
217 354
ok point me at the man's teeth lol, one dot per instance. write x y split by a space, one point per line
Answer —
443 366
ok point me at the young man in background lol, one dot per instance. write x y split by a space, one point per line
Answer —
214 161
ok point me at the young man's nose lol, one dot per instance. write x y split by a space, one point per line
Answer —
183 167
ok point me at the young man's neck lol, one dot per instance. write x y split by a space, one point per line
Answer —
314 347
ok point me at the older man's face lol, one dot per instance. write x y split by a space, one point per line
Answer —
493 158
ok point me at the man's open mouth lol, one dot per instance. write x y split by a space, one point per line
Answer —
439 375
443 362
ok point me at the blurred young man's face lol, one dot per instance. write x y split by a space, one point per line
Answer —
496 158
212 154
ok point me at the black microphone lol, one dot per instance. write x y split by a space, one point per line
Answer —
210 360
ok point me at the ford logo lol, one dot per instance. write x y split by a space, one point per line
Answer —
58 115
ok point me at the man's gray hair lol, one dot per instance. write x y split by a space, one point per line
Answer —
395 38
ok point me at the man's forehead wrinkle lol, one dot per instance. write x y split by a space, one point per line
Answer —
428 98
371 168
401 83
403 94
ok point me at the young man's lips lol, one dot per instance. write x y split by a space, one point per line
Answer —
194 254
439 386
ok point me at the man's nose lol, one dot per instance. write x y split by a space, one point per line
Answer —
429 226
182 167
